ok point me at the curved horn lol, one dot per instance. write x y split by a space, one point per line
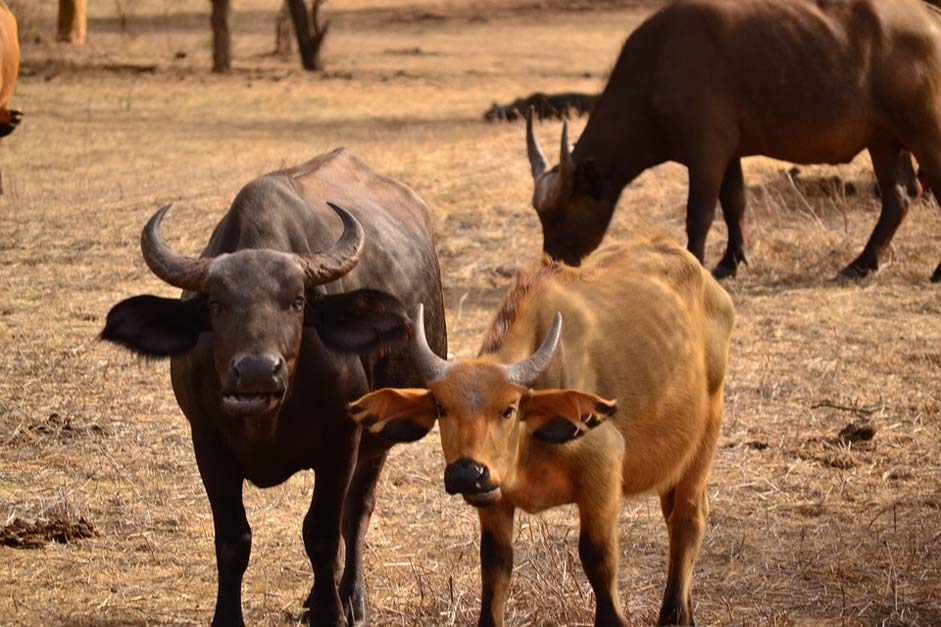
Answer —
186 273
331 264
566 165
537 160
430 366
526 372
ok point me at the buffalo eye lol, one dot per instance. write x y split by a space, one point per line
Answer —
298 304
215 308
509 412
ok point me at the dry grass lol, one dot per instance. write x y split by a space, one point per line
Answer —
804 529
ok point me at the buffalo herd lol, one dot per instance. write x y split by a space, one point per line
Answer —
311 330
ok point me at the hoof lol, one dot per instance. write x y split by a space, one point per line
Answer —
724 272
854 271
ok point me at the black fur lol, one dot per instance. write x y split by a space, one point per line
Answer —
557 432
361 322
403 431
157 327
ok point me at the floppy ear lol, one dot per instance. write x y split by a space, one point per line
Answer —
398 415
362 321
558 416
157 327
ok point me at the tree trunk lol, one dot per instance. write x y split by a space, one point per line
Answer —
283 31
308 45
72 20
221 41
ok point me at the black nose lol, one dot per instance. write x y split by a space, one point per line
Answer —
465 476
257 373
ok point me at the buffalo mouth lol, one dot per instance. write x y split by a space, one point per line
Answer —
247 405
484 498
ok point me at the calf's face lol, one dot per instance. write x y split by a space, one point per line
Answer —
478 418
485 414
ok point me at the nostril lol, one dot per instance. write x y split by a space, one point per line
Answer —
465 476
279 367
473 470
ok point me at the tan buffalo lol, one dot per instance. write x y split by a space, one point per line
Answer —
9 69
707 82
531 422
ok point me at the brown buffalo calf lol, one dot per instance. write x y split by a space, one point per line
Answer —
644 324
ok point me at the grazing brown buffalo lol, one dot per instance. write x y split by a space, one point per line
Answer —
644 324
9 69
707 82
278 329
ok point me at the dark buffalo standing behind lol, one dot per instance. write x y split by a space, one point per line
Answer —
707 82
284 320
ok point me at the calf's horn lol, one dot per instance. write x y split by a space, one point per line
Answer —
331 264
430 366
180 271
527 371
537 160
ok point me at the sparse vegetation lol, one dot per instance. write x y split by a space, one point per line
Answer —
807 528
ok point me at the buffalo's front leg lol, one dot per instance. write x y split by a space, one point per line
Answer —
705 181
496 562
598 549
358 509
233 536
732 198
322 526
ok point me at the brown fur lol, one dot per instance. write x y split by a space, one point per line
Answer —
9 69
645 324
525 282
848 76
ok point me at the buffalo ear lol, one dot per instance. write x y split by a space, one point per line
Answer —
558 416
362 321
396 415
157 327
588 179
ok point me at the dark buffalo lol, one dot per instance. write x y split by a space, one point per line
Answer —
707 82
281 325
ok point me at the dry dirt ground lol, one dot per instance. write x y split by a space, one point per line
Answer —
804 530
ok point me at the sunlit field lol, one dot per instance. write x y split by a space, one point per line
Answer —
806 528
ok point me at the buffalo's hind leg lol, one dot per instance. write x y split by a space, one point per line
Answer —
732 197
929 159
885 153
357 510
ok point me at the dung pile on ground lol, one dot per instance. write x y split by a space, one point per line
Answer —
22 534
545 106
